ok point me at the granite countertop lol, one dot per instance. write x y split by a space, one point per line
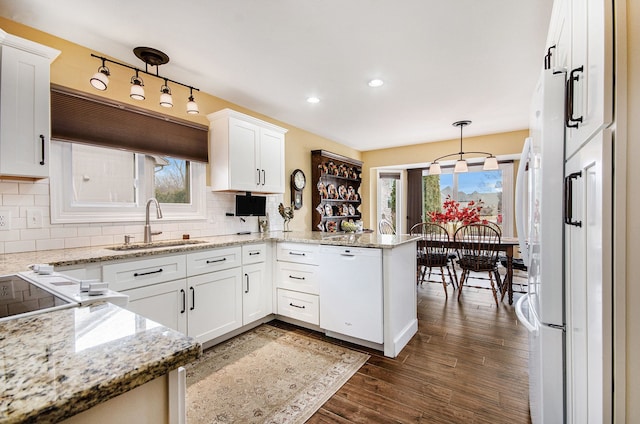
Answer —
14 262
54 365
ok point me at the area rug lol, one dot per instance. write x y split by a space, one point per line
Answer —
267 375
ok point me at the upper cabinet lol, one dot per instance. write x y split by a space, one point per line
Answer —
24 107
246 154
582 33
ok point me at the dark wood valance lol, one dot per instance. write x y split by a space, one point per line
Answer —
83 118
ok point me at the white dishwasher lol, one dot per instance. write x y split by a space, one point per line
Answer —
351 297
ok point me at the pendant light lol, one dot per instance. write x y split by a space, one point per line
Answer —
490 162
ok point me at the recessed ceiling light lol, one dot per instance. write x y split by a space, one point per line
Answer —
313 100
375 83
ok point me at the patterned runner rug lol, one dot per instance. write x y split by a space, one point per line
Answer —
267 375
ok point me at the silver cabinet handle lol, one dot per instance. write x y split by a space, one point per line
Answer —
297 254
296 278
184 301
193 299
296 306
247 277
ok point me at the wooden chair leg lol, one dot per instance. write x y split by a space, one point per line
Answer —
493 288
461 283
444 284
424 271
454 284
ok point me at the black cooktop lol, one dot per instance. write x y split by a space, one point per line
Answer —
19 296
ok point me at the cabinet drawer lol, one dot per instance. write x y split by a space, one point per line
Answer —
213 260
144 272
254 253
298 252
300 306
298 277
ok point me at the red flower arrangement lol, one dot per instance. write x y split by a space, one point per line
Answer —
453 213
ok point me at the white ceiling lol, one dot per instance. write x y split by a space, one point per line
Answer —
441 60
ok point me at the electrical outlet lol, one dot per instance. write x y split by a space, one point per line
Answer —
5 220
34 218
7 291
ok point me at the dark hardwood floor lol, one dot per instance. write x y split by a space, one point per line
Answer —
466 364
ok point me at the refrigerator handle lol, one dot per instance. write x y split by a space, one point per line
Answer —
568 199
520 201
521 316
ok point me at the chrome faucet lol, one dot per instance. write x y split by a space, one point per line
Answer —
147 228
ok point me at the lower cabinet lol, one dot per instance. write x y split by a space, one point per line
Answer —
256 293
164 303
301 306
214 304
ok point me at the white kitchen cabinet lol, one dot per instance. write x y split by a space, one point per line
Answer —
247 154
297 281
588 277
214 304
257 290
165 303
24 107
582 31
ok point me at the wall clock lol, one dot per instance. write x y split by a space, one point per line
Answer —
298 181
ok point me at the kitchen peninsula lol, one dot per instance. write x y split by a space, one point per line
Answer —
396 272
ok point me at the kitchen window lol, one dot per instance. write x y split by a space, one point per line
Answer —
100 184
494 188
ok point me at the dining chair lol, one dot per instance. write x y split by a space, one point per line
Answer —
386 227
433 252
477 252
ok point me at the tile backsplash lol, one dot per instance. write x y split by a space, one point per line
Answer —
20 198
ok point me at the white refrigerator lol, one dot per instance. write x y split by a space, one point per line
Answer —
539 220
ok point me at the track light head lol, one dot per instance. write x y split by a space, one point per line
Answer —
100 80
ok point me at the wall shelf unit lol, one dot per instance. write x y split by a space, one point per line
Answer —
336 191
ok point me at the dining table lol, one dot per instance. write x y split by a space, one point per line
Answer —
504 244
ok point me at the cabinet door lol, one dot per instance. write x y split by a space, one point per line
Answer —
214 304
271 161
244 171
24 114
165 303
256 290
588 283
592 70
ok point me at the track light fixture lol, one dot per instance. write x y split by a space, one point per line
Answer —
137 92
149 56
490 162
100 80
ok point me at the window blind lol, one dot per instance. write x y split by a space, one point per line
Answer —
83 118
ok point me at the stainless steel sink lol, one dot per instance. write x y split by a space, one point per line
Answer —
155 244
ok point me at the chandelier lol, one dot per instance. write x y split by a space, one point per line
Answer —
150 56
490 162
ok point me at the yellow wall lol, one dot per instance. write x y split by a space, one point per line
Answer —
74 67
508 143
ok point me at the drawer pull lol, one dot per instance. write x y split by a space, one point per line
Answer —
213 261
140 274
297 278
184 301
297 254
296 306
193 299
253 253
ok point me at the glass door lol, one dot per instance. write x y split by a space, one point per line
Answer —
389 199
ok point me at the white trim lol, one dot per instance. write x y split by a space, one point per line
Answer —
64 211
